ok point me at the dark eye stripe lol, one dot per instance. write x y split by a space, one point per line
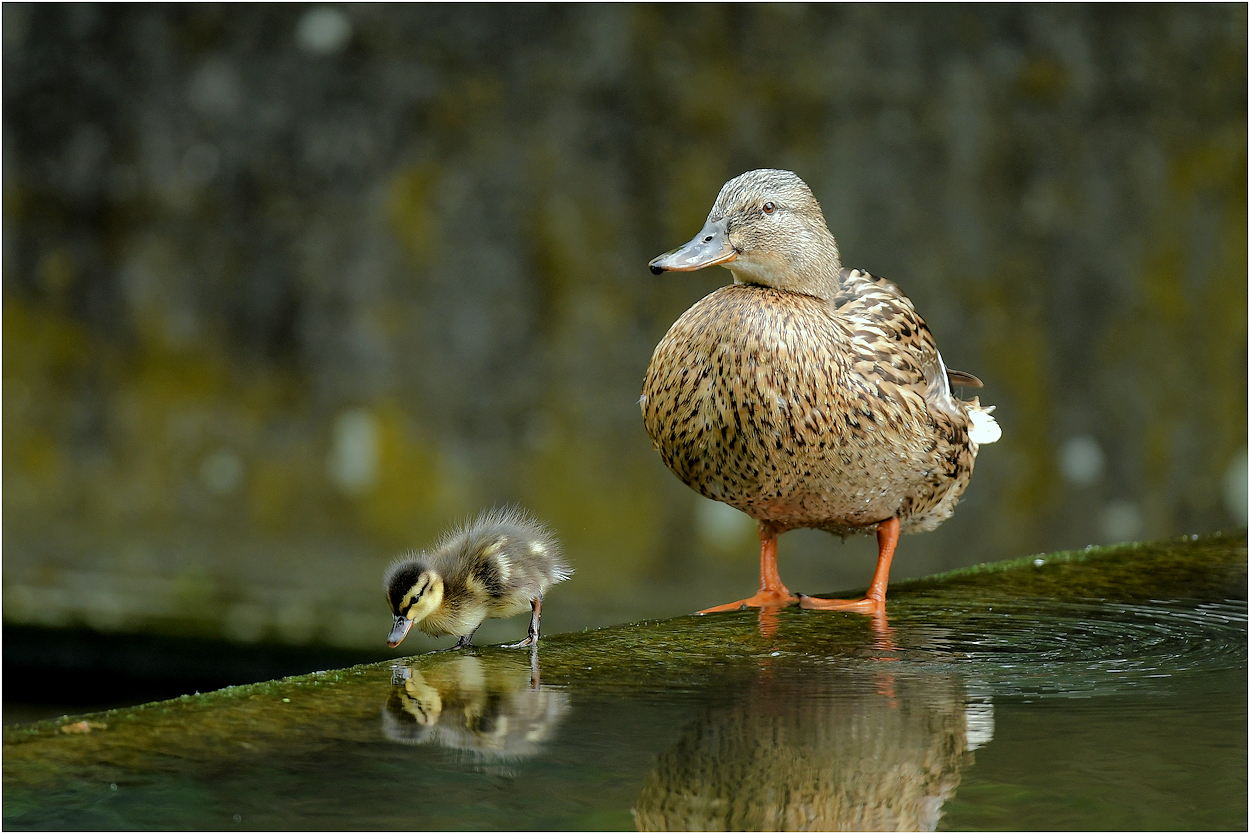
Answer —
416 597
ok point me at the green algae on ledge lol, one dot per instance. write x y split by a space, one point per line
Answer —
1184 561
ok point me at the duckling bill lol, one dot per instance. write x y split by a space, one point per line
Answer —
497 565
806 394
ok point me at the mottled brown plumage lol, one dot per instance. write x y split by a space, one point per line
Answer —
815 748
806 394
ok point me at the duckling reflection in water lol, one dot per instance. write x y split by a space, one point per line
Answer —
490 708
818 750
497 565
806 394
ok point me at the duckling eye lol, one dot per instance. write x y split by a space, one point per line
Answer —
769 208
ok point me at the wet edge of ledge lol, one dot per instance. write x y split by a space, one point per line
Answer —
1196 553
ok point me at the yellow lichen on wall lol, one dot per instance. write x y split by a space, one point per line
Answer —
416 492
596 502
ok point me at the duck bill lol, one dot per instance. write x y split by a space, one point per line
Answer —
709 247
402 624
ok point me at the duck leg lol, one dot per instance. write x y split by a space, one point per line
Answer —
873 601
773 591
532 639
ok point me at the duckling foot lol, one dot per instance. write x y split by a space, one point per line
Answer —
536 605
464 642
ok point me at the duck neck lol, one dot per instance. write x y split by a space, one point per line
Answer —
810 265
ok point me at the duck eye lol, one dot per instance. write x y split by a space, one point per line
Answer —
769 208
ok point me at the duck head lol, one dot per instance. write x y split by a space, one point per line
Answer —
765 227
413 592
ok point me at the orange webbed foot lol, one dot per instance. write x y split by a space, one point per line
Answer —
866 605
874 601
762 599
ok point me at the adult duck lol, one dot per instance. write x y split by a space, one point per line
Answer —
806 394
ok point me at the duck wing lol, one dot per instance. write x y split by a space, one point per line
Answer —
895 346
967 380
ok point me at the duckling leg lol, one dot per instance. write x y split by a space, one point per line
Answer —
532 640
772 590
874 600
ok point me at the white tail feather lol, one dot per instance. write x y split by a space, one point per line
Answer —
985 429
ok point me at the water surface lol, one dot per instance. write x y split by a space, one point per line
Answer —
1095 690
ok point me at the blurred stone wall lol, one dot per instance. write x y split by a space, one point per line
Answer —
289 288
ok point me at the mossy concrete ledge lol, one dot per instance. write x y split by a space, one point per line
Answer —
945 619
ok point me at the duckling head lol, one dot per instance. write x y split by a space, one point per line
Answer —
414 591
422 701
765 227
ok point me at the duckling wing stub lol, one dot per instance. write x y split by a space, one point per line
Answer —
491 571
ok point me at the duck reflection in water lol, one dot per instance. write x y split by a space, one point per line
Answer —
493 709
826 748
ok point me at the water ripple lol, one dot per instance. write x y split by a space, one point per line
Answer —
1078 647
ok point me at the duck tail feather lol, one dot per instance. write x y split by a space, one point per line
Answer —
985 429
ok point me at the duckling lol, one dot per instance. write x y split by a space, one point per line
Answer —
497 565
806 394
